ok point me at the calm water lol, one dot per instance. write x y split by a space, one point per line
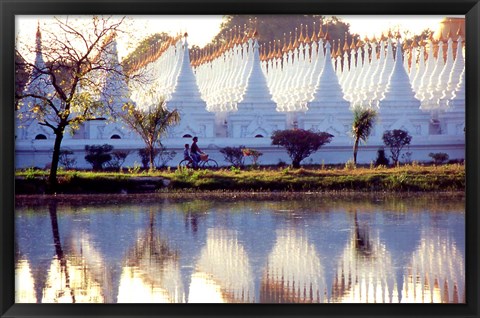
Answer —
311 250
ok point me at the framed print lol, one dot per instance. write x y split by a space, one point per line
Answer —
216 158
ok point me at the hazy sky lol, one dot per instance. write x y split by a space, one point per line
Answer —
202 28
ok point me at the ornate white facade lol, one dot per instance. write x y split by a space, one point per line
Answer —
240 94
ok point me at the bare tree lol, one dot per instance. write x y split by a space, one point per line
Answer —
66 78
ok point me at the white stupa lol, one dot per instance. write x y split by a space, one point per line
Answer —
400 109
453 118
256 114
457 68
195 119
329 111
28 126
114 95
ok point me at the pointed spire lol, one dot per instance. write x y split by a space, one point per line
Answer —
345 43
339 51
314 37
326 36
38 39
307 38
301 39
352 45
359 44
245 34
295 43
285 46
279 50
321 35
262 53
290 44
458 32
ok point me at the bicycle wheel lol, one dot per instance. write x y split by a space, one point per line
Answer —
185 164
210 163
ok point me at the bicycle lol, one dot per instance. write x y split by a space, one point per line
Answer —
204 163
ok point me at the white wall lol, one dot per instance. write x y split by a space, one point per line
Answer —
37 153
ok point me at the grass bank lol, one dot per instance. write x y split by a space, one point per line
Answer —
408 178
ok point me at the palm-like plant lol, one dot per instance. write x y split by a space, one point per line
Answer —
363 121
151 124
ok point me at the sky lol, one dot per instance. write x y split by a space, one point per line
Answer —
202 28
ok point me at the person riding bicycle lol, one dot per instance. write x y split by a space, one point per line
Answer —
195 152
186 153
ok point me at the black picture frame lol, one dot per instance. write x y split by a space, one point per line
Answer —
10 8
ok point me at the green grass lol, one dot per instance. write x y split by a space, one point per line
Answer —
400 179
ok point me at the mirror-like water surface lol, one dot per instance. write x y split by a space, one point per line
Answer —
313 250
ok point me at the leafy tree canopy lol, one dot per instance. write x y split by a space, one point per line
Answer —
396 140
300 143
281 27
149 43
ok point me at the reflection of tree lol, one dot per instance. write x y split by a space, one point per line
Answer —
363 245
151 270
194 211
364 272
52 208
69 277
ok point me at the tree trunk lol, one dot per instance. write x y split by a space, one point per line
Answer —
52 179
296 164
152 157
355 151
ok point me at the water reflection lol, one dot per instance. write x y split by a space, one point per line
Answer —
223 273
303 251
364 272
151 273
294 273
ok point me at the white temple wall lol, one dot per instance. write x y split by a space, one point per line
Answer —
37 153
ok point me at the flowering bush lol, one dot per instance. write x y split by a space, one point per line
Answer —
255 154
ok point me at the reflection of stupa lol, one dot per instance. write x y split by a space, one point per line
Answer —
364 273
24 283
294 273
223 272
76 276
94 263
151 273
69 281
437 272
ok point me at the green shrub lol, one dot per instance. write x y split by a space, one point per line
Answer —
234 155
98 155
118 159
300 143
144 154
30 173
255 154
438 157
65 159
381 160
350 165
